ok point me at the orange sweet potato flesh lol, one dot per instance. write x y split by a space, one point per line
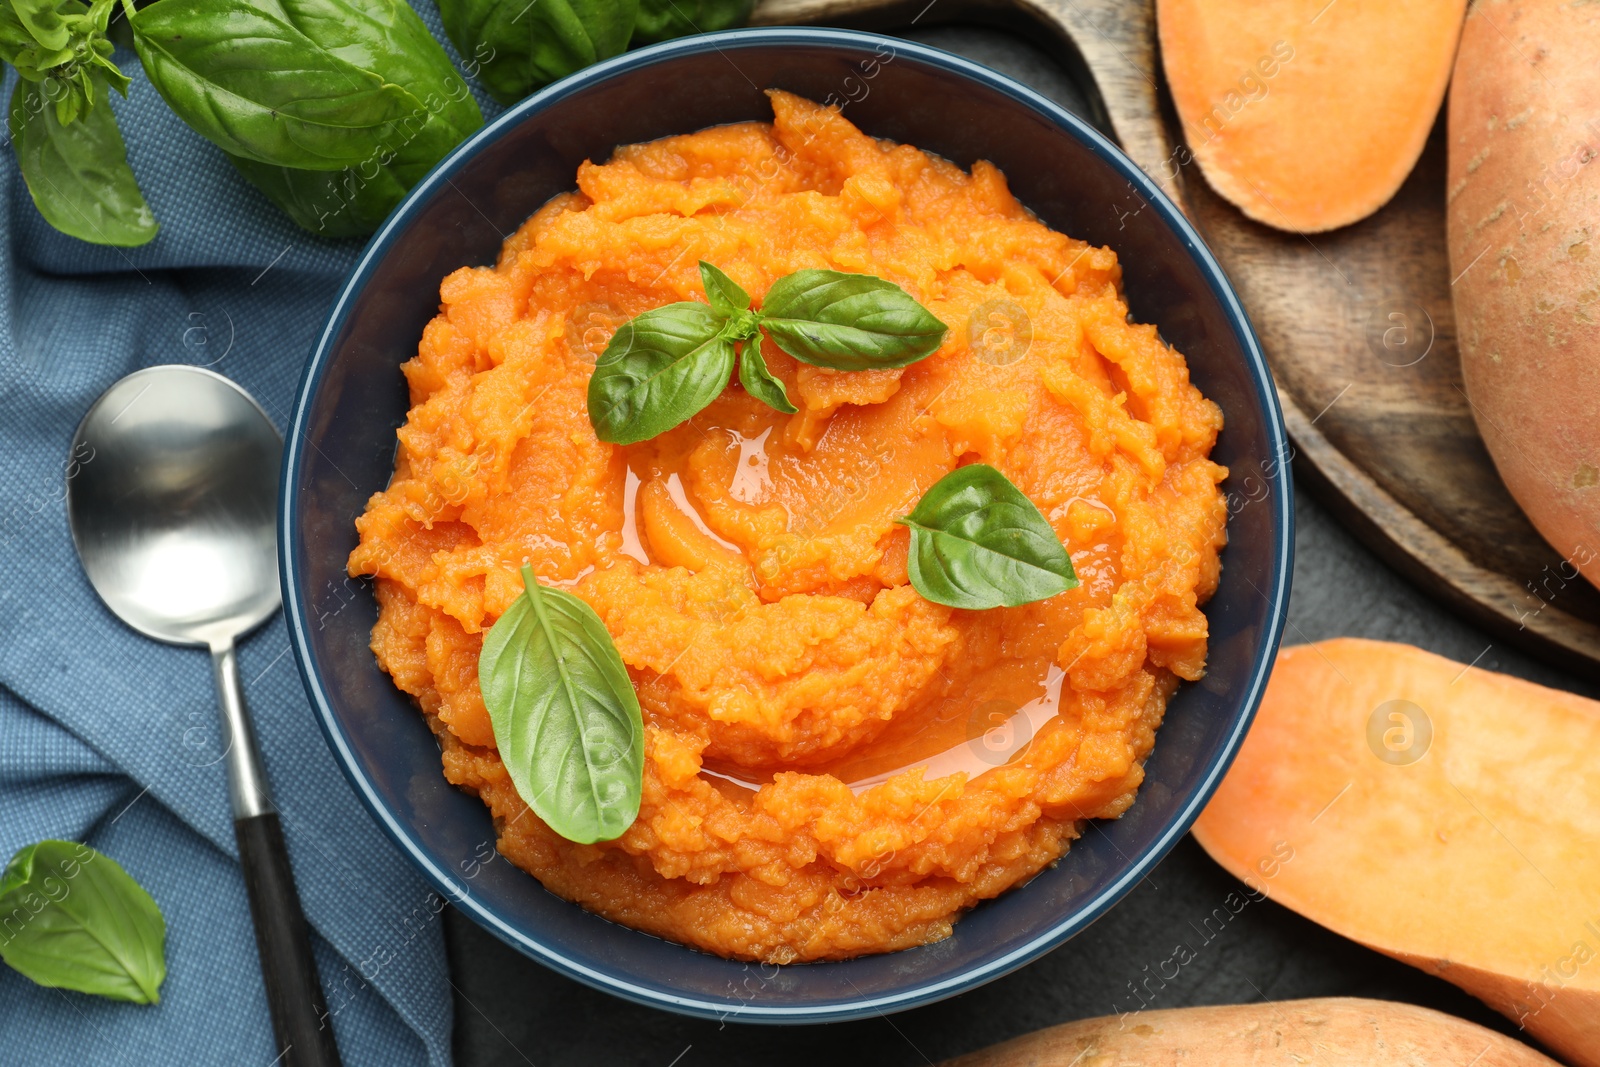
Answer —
1473 854
1324 1032
1523 218
1307 114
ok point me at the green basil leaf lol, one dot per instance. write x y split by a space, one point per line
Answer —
99 14
389 38
659 369
759 382
244 76
661 20
78 174
518 46
47 20
72 918
352 202
350 192
723 293
848 321
565 715
977 542
15 40
102 63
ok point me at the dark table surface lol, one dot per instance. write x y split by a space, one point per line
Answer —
510 1010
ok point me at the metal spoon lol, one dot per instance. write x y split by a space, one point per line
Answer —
172 505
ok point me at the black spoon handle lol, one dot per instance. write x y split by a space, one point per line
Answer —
300 1020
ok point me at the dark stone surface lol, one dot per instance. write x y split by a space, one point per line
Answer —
510 1010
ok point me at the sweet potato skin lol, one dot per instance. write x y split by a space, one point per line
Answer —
1462 838
1328 1032
1307 115
1524 218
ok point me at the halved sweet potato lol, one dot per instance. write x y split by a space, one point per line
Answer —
1325 1032
1307 114
1444 815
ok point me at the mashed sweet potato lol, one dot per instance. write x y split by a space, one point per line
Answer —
834 765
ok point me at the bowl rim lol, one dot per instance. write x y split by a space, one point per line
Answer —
915 995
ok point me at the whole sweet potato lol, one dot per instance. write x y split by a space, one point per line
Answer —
1524 218
1325 1032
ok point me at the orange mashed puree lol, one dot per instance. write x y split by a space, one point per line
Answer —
834 765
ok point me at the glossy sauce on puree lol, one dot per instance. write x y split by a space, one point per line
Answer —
834 765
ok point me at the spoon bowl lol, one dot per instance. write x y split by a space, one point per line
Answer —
173 505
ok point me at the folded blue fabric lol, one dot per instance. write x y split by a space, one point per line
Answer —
111 739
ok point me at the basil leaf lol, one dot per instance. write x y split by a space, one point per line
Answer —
659 369
725 295
565 715
661 20
759 382
245 77
71 918
395 135
78 174
16 42
352 202
848 321
47 20
519 45
977 542
388 38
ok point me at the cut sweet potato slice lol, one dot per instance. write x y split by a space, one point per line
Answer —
1307 114
1444 815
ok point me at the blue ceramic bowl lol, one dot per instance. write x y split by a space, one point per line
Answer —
341 448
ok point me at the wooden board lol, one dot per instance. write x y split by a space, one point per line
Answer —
1357 325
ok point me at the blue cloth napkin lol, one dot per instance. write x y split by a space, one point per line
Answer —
111 739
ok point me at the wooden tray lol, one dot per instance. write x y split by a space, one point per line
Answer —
1357 325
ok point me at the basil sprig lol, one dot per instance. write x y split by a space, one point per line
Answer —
66 140
62 43
72 918
332 108
565 715
663 367
978 542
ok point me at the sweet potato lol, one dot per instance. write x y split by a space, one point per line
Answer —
1444 815
1524 215
1326 1032
1307 114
